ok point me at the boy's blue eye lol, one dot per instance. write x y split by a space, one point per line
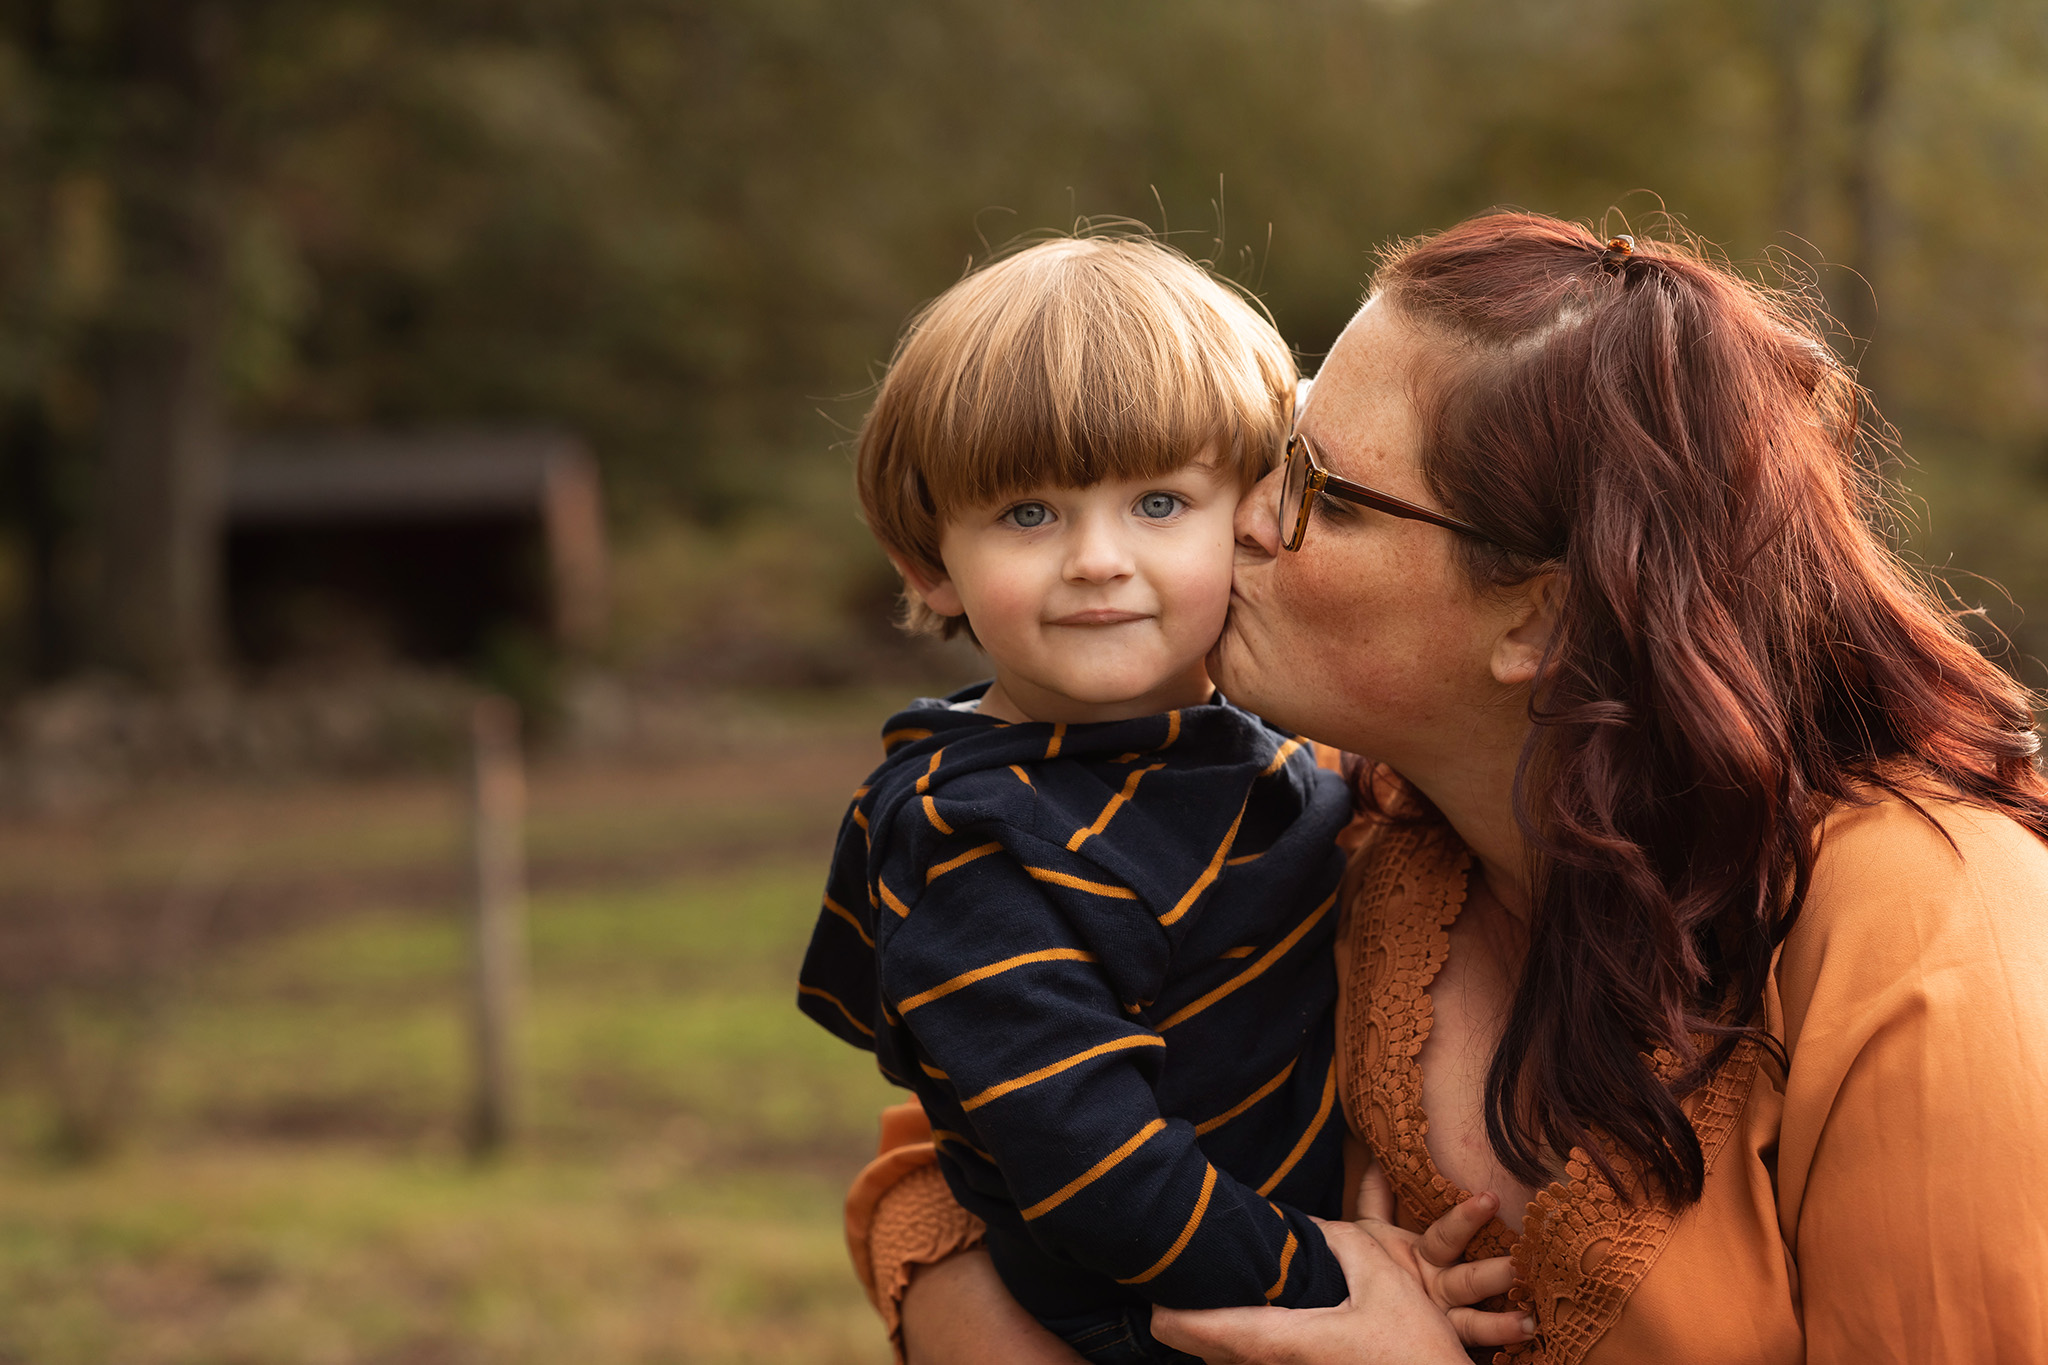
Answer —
1158 506
1029 515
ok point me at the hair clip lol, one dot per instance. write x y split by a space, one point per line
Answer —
1619 249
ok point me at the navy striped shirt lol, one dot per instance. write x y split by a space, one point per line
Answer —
1101 956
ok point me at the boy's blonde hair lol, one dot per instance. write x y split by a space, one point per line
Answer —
1072 361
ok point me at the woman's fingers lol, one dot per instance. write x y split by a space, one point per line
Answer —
1476 1280
1492 1329
1445 1241
1221 1336
1388 1320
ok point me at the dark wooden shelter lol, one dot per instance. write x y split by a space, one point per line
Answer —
426 546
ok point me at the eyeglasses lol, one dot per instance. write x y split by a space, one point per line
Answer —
1306 477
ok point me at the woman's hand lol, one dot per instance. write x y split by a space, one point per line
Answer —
1434 1260
1409 1304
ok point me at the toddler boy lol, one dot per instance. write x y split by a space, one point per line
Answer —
1085 910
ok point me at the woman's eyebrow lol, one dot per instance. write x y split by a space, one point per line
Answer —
1327 452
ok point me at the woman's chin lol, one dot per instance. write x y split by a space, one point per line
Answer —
1228 670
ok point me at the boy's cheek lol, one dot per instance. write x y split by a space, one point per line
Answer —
1204 587
1000 613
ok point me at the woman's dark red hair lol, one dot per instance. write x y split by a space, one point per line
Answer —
1737 648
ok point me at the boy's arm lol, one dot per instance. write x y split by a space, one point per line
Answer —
1055 1077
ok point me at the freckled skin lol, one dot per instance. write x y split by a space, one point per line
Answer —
1097 603
1371 637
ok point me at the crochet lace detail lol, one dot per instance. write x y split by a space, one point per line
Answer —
1582 1249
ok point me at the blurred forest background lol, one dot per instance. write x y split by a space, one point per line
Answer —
231 1056
690 232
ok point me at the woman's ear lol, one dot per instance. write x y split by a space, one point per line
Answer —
1519 650
938 593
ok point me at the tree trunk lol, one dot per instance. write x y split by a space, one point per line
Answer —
161 477
37 513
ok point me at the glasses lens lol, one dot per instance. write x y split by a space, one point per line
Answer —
1293 489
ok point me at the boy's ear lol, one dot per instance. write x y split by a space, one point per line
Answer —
937 593
1519 649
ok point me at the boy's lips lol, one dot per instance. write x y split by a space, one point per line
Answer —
1098 616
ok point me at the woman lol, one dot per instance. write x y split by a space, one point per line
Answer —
1700 919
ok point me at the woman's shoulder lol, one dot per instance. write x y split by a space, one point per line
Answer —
1914 883
1923 846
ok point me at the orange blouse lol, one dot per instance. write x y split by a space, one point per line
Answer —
1885 1198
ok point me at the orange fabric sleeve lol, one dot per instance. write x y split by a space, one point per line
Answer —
901 1215
1912 1162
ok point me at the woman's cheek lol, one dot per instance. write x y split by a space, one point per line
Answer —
1317 626
1300 600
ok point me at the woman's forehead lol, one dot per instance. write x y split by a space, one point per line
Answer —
1361 412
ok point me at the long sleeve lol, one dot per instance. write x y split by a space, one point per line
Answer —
1047 1070
1913 1158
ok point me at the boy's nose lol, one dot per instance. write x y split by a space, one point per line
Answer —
1098 553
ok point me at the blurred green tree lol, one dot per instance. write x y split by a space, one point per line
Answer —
686 227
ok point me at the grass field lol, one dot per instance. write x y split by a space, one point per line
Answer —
294 1189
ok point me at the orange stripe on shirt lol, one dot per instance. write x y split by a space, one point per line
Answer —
836 908
889 899
931 807
1030 1078
940 1135
1315 1126
1046 874
1059 737
1187 1234
938 870
1286 1263
1253 972
1095 1172
895 737
1101 822
1280 757
827 995
966 979
1194 893
1211 1125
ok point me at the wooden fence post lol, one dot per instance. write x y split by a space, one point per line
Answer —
498 930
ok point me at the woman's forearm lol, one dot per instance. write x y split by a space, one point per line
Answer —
958 1313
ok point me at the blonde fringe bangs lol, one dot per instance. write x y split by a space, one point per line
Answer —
1073 361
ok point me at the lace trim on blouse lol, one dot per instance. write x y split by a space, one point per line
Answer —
1582 1250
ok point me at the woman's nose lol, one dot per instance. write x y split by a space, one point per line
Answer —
1258 517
